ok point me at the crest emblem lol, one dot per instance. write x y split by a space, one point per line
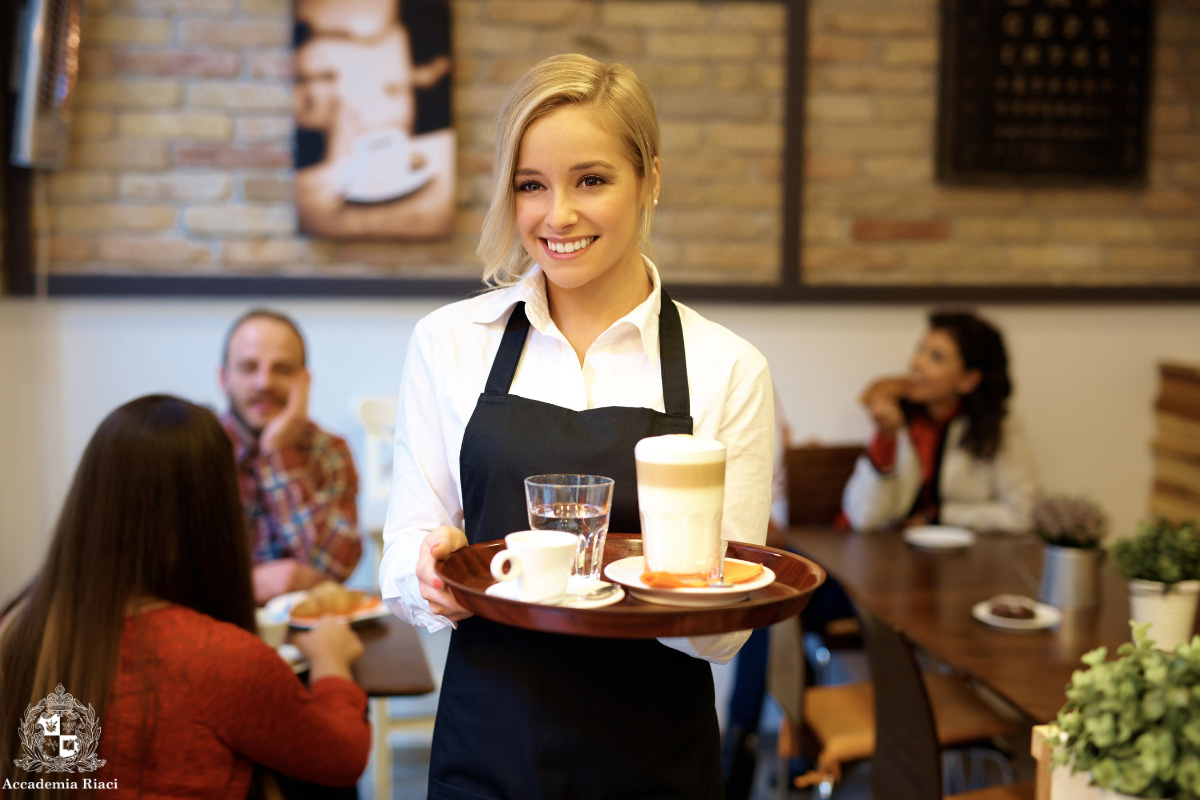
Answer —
59 735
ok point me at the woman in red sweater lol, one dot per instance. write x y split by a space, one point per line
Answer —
143 610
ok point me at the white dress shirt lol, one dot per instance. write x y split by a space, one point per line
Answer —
447 366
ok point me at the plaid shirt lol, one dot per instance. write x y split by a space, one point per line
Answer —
300 502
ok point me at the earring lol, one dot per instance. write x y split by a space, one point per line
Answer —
656 202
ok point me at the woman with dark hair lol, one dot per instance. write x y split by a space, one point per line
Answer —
143 610
946 447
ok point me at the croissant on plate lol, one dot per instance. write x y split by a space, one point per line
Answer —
329 598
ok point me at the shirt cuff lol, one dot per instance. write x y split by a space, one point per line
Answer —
400 589
717 649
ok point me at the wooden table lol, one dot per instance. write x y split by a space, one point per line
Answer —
929 595
393 662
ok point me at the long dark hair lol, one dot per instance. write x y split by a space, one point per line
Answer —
153 513
981 347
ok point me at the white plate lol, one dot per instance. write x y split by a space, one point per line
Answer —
1044 616
294 658
939 537
282 606
576 584
628 573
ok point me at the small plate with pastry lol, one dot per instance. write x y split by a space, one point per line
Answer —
666 589
1014 612
327 599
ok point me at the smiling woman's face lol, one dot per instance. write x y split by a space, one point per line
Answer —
578 201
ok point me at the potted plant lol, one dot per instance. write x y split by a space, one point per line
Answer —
1162 565
1071 529
1132 725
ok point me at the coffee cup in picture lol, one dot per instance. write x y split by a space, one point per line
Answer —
539 561
681 490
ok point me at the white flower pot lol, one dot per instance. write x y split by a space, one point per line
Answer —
1171 615
1067 786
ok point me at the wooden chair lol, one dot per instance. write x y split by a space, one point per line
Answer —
838 723
816 476
914 721
378 418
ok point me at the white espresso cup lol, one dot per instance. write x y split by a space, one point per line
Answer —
681 490
539 561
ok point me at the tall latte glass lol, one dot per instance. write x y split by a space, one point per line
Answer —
681 488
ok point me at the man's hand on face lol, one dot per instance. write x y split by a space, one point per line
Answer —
274 578
292 422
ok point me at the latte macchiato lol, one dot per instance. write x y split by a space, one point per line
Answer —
681 489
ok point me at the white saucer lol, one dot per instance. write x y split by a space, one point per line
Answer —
628 573
939 537
576 584
383 188
1044 616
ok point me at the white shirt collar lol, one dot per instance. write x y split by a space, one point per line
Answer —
531 290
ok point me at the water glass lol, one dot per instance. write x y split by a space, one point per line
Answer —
717 575
578 504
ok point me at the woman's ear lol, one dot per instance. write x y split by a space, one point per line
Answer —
969 382
656 181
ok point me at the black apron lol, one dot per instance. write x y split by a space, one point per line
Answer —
525 715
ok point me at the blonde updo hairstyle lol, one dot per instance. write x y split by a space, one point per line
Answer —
615 94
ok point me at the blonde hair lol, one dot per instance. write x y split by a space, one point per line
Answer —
612 91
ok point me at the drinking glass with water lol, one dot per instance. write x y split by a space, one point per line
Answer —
577 504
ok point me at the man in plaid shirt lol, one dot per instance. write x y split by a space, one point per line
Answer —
298 483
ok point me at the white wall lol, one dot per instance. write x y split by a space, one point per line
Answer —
1085 381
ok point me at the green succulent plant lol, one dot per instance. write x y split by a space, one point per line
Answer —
1134 723
1161 551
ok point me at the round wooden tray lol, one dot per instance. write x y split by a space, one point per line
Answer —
468 575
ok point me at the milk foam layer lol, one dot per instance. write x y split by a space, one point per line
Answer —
679 448
681 490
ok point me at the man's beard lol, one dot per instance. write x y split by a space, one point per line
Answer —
237 413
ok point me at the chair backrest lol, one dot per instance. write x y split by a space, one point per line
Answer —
378 418
817 474
907 761
377 415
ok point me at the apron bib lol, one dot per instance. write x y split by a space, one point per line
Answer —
525 715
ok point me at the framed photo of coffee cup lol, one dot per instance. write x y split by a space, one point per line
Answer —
375 150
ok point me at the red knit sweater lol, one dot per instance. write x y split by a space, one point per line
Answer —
222 702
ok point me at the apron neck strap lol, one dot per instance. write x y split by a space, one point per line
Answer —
672 359
671 356
504 366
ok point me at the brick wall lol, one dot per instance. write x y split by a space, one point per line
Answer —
873 213
181 153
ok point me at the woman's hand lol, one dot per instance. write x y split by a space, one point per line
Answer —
330 647
886 414
438 545
882 401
